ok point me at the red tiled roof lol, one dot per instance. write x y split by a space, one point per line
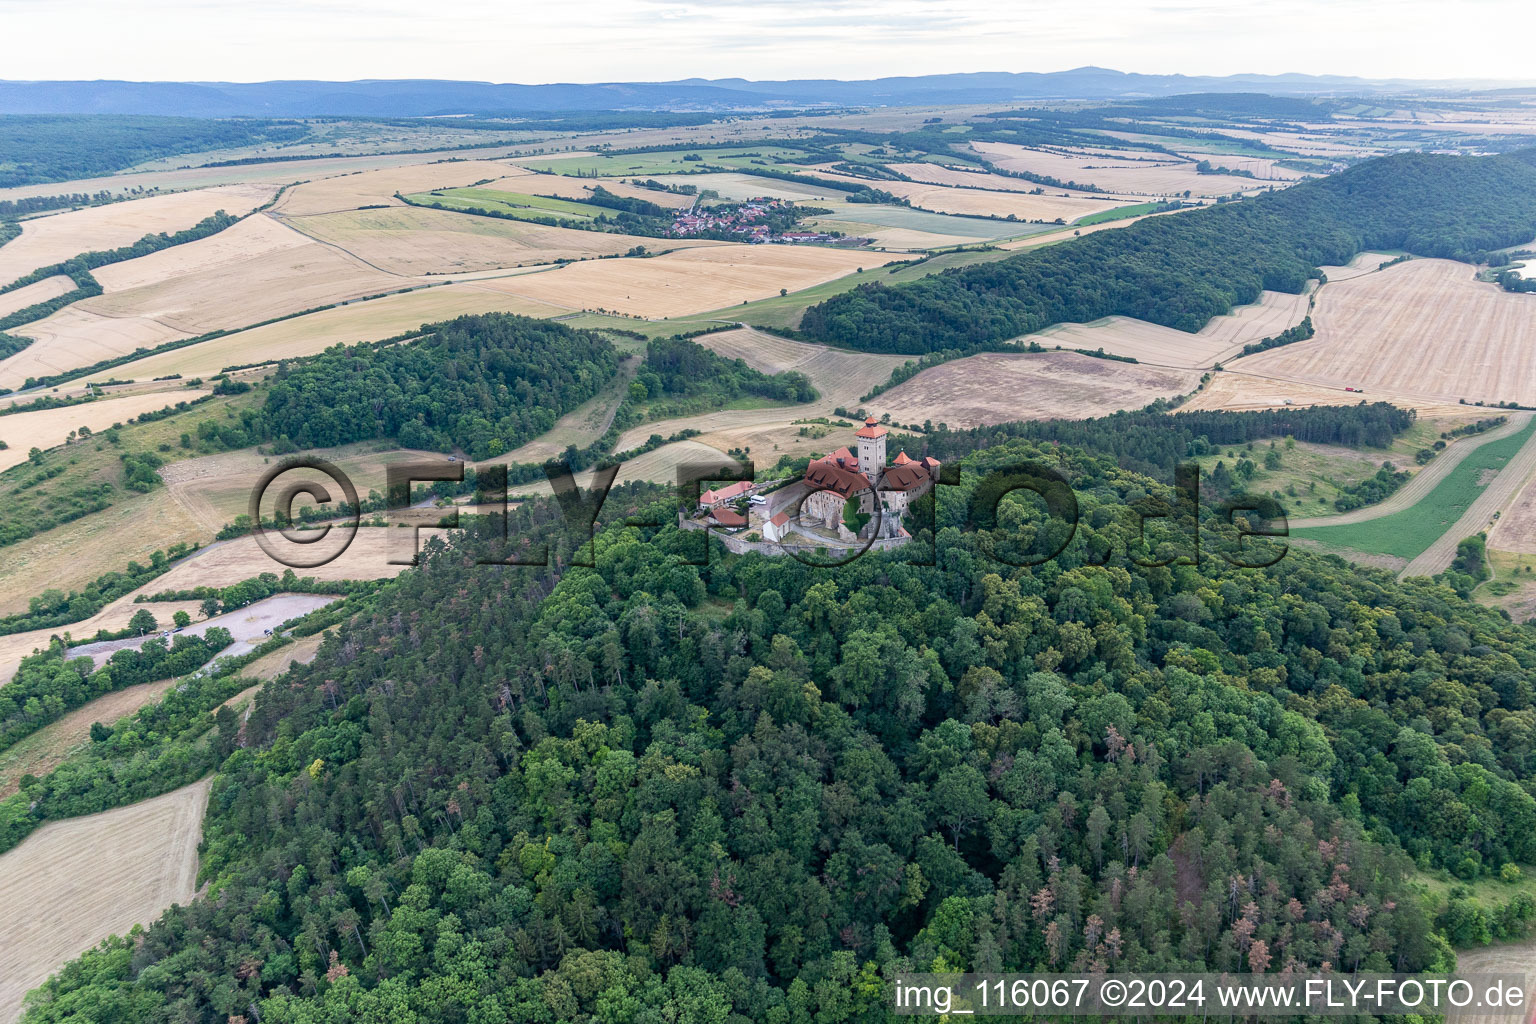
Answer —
780 519
725 517
871 428
904 478
828 476
735 490
901 458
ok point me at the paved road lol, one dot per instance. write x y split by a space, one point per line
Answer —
1423 481
1495 498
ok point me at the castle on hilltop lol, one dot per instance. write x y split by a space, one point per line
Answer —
883 491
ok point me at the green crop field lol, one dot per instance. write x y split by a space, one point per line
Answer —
1408 533
1119 213
513 204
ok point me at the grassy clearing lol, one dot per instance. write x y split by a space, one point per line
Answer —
1408 533
1119 213
1311 476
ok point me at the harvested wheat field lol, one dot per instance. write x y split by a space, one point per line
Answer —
284 280
227 251
692 281
1236 390
996 387
1516 528
44 750
276 283
839 375
982 202
1506 958
60 894
229 562
74 337
32 294
367 188
1125 172
371 320
1365 263
46 428
961 177
58 237
410 240
1425 327
1222 338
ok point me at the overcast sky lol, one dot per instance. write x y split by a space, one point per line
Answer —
654 40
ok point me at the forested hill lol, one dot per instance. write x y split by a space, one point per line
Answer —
485 384
756 792
1182 269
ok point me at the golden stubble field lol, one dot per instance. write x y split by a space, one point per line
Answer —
1425 327
1220 339
37 291
60 236
414 241
313 333
996 387
691 281
1123 172
45 428
73 883
368 188
255 271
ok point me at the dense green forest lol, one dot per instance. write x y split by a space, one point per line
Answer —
1153 443
681 377
40 148
485 383
755 791
1183 269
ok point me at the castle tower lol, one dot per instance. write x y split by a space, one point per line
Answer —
871 450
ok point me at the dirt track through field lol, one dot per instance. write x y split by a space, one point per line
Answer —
1495 497
73 883
1423 481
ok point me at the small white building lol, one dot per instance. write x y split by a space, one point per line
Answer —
777 528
